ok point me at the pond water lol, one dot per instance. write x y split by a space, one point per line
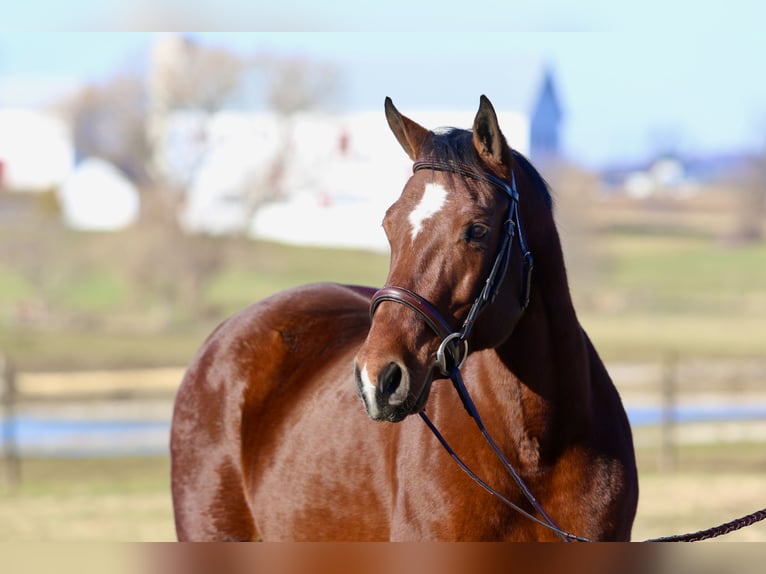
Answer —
64 437
650 415
37 436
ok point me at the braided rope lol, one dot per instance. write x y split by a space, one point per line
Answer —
715 531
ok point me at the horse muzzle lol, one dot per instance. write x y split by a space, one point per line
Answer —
387 392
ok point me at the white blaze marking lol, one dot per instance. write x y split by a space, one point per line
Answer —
434 197
368 390
367 383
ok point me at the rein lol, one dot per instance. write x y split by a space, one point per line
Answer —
453 351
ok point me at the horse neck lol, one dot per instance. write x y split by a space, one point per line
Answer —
548 355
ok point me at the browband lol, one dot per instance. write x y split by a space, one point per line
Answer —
468 172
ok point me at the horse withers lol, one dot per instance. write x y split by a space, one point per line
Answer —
270 441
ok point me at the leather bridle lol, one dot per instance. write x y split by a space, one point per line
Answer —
453 349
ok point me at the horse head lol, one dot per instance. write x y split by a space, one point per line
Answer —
460 268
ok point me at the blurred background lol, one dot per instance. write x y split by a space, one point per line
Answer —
152 184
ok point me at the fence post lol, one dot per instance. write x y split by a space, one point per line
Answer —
668 452
8 400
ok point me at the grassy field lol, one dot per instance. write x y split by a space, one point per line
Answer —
128 499
692 295
92 321
647 276
639 291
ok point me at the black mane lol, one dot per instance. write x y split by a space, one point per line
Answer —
538 180
455 145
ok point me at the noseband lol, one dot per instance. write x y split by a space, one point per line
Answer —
453 349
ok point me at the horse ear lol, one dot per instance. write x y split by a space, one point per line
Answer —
411 135
488 140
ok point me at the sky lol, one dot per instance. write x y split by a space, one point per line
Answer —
634 80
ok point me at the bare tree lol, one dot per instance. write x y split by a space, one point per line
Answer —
108 122
292 85
186 74
297 84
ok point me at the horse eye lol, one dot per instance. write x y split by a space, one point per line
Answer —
476 232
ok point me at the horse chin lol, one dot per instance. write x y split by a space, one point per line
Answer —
420 402
412 407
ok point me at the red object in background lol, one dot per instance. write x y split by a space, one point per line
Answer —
343 143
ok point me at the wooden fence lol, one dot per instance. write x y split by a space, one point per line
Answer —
87 391
666 384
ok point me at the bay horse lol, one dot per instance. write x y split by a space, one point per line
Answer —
270 440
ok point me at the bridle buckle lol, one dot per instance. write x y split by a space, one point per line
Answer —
448 355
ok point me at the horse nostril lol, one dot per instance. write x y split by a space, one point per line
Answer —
389 379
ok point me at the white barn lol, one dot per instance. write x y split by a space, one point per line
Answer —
96 196
340 173
36 150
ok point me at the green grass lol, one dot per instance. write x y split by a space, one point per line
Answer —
627 336
276 267
13 285
688 294
49 350
682 275
88 318
95 292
